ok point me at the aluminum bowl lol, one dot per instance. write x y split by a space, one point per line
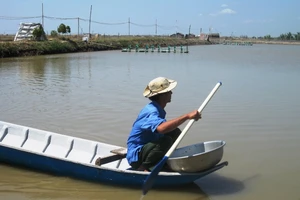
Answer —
196 157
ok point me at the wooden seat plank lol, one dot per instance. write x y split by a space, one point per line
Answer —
117 155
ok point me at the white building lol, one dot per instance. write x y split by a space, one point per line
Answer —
25 31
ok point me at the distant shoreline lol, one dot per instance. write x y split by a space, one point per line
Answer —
72 45
262 41
65 44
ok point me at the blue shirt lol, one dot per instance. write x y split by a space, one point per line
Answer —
144 129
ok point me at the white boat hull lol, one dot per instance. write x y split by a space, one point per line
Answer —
76 157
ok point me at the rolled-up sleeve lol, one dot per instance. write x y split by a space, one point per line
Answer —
152 121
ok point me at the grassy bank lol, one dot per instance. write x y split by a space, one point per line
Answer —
69 45
261 41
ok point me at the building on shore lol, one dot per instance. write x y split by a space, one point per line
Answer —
25 31
211 37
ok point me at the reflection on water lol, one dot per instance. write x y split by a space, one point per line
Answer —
98 95
221 185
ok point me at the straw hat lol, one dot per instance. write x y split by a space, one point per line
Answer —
159 85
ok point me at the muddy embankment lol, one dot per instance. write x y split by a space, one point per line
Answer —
71 45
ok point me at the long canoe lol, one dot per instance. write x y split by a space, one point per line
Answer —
79 158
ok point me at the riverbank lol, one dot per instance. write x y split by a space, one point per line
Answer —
260 41
71 45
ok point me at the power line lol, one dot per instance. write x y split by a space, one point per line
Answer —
18 18
78 19
87 20
104 23
151 25
61 18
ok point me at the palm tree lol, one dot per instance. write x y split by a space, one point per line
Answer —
289 36
282 36
297 36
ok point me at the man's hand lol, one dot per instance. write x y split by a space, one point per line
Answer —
194 115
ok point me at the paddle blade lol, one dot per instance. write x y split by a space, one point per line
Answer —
148 183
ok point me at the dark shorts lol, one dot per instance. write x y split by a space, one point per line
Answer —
153 152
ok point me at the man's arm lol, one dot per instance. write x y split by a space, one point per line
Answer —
172 124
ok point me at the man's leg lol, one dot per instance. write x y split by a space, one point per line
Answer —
153 152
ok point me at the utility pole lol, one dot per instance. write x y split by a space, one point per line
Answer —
156 27
78 27
90 22
43 16
176 29
129 26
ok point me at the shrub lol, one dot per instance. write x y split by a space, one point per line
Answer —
54 33
38 33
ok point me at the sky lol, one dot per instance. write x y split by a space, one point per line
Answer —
162 17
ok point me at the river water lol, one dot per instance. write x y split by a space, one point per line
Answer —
98 95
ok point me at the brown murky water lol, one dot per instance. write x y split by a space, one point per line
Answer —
98 95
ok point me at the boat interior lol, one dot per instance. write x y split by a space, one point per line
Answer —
61 146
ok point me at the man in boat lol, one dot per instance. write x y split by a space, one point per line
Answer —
152 135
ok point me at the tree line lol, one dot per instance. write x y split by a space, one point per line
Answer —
285 36
38 32
290 36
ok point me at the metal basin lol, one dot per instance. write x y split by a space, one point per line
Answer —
197 157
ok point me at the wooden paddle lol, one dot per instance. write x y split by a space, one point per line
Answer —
151 177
